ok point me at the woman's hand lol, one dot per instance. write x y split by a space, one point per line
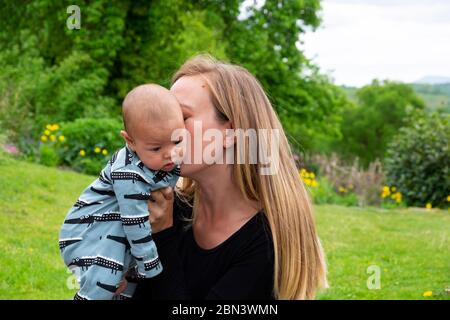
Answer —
161 209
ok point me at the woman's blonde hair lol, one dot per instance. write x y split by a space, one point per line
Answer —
237 95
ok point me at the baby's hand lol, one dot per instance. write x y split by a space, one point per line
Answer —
122 285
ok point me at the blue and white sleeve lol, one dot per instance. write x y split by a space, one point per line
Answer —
132 197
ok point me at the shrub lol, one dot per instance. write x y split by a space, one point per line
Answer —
351 178
48 156
34 93
322 191
418 161
325 193
89 143
392 198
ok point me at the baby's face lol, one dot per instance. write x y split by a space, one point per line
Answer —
153 144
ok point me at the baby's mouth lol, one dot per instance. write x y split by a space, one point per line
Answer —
169 165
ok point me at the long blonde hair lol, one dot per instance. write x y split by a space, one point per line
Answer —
299 268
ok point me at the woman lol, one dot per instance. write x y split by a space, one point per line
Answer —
247 235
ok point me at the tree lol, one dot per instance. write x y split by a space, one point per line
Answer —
123 43
370 125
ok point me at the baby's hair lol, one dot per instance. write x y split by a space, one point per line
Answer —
147 102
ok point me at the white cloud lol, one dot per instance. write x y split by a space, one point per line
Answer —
398 40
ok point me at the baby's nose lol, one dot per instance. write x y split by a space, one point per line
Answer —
167 153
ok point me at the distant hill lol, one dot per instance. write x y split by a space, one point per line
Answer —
433 80
436 96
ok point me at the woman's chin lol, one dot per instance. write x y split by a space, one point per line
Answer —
191 170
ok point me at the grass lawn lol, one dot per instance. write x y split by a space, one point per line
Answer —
411 247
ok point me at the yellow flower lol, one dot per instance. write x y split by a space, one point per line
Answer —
302 172
428 206
82 153
342 190
307 181
428 293
44 138
314 183
62 138
397 197
53 138
97 150
52 127
393 189
104 152
47 132
448 198
312 175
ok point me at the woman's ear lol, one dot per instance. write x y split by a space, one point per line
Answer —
127 139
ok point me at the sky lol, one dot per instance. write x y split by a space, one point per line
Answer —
402 40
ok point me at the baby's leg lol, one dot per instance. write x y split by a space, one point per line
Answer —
107 246
100 282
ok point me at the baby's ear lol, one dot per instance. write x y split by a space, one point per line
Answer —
126 137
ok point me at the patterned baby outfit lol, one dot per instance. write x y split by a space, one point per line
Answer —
107 231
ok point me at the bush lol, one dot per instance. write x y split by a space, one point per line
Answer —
345 177
34 93
48 156
325 193
418 161
89 143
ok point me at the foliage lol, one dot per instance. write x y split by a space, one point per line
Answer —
89 143
352 178
84 144
48 156
325 193
58 75
368 127
418 160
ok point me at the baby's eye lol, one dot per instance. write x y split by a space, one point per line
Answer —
178 141
154 149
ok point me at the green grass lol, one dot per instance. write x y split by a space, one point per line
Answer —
411 247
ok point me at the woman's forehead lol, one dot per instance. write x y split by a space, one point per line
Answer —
191 91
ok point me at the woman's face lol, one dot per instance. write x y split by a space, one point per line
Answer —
192 93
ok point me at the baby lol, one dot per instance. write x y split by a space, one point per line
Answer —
107 232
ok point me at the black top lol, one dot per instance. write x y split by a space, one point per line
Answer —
241 267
